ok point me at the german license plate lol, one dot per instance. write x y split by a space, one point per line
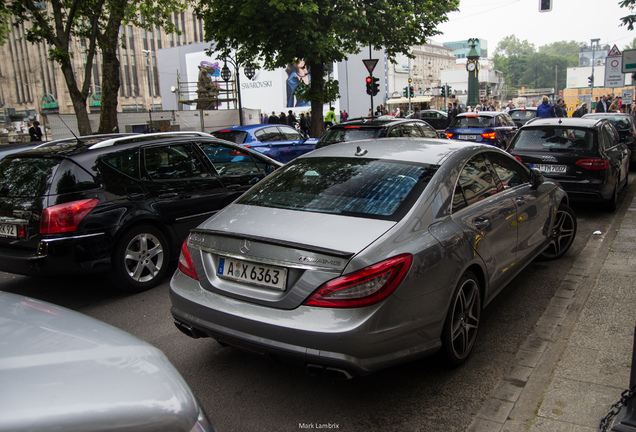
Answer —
8 230
252 273
550 168
467 137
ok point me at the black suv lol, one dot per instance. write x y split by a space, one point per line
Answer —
117 205
377 127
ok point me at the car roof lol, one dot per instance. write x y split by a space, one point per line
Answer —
376 121
524 109
420 150
563 121
247 128
606 114
480 113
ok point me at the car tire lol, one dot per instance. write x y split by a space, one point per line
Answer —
462 321
140 259
612 203
563 234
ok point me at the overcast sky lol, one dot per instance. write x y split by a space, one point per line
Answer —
578 20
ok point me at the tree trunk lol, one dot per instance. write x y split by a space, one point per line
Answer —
110 69
78 99
317 83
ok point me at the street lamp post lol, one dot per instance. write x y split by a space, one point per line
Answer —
226 75
152 96
592 42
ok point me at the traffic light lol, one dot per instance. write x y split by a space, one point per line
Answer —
376 86
590 81
411 91
406 90
443 91
369 86
545 5
488 91
448 91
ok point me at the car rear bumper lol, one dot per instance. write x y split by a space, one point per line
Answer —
59 256
589 190
334 339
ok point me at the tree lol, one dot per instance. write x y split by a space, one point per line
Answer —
57 22
511 46
628 20
319 32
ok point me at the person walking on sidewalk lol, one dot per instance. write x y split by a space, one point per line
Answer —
545 110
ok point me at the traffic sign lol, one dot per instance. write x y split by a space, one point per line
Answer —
370 64
614 76
629 61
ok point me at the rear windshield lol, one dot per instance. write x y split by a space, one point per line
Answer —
26 177
554 138
33 177
348 133
237 137
354 187
523 114
619 122
473 121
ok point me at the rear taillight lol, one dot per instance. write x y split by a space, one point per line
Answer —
449 135
65 217
593 164
518 158
365 287
186 266
489 135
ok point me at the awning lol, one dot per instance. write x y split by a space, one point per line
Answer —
403 100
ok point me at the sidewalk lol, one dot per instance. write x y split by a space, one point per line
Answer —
577 361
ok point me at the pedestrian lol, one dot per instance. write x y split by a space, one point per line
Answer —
330 118
417 114
35 132
581 110
282 118
452 113
614 107
305 124
545 109
345 115
291 119
559 108
601 104
273 119
265 118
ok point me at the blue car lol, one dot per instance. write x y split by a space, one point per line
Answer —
485 127
280 142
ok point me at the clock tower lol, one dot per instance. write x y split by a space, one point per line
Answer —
472 66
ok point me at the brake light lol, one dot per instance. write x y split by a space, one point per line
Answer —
365 287
352 127
449 135
489 135
65 217
224 131
593 164
518 158
186 266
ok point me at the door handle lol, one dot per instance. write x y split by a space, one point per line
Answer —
168 195
520 200
481 222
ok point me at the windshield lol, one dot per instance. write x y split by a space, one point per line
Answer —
26 177
348 133
473 121
620 122
554 138
354 187
237 137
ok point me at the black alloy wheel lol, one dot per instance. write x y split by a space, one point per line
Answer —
140 259
462 321
563 234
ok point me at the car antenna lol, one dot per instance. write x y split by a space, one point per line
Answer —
361 152
79 141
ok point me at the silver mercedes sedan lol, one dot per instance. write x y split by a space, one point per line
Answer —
364 255
64 371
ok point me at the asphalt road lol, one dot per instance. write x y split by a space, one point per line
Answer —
243 391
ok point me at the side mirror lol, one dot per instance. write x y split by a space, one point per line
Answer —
536 178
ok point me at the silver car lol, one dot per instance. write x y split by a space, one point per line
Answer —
63 371
364 255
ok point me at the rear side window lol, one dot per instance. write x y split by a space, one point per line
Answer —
124 161
353 187
27 177
554 138
269 134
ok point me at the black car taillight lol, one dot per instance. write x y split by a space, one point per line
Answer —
65 217
593 164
